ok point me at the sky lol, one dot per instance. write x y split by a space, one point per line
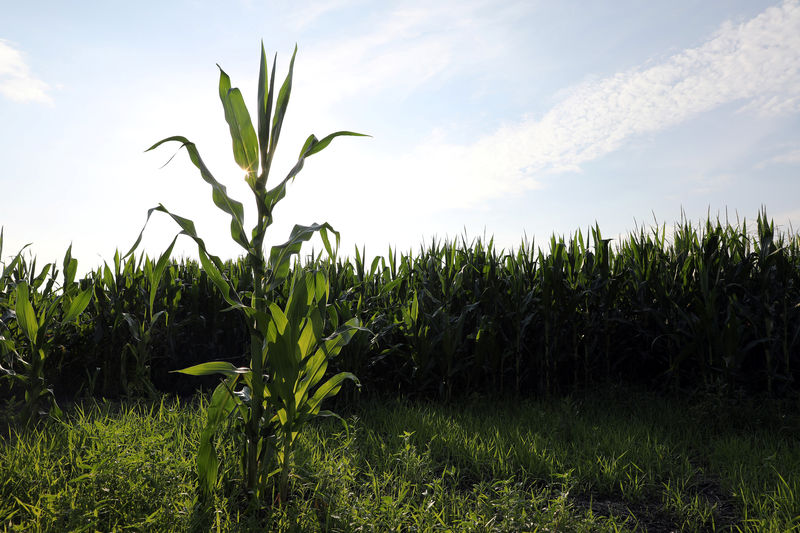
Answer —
496 118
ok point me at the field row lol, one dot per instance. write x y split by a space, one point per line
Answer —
710 307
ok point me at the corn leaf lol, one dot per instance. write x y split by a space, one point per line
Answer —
70 268
243 136
77 305
154 275
313 146
328 389
281 105
219 192
280 255
266 85
222 403
26 317
211 263
213 367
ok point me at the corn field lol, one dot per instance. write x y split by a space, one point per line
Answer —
714 306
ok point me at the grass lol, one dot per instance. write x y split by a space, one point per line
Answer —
606 461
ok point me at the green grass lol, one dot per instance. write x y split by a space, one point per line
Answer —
608 461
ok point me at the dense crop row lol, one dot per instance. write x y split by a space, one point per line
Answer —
710 307
714 306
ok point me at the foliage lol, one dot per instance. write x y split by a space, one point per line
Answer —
711 306
38 308
716 308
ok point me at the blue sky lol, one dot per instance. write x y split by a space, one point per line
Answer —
487 117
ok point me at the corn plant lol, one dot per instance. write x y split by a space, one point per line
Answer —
141 331
7 345
40 308
270 400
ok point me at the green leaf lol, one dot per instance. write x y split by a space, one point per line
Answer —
321 286
154 275
108 277
212 267
307 340
281 358
318 146
313 371
281 105
315 366
299 299
332 251
211 263
328 389
70 268
26 317
116 261
222 403
7 346
12 265
280 255
243 136
133 325
265 97
77 305
331 414
207 462
219 193
38 280
279 317
214 367
311 146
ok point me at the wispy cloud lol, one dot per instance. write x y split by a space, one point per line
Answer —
756 63
310 12
16 81
406 47
789 156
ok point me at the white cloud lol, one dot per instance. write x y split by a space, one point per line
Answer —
407 47
310 12
16 81
788 157
791 158
773 105
756 62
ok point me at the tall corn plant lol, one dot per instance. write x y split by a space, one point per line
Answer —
270 401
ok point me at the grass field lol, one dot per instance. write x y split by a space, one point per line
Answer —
604 461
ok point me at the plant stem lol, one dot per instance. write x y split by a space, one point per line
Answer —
256 364
287 462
